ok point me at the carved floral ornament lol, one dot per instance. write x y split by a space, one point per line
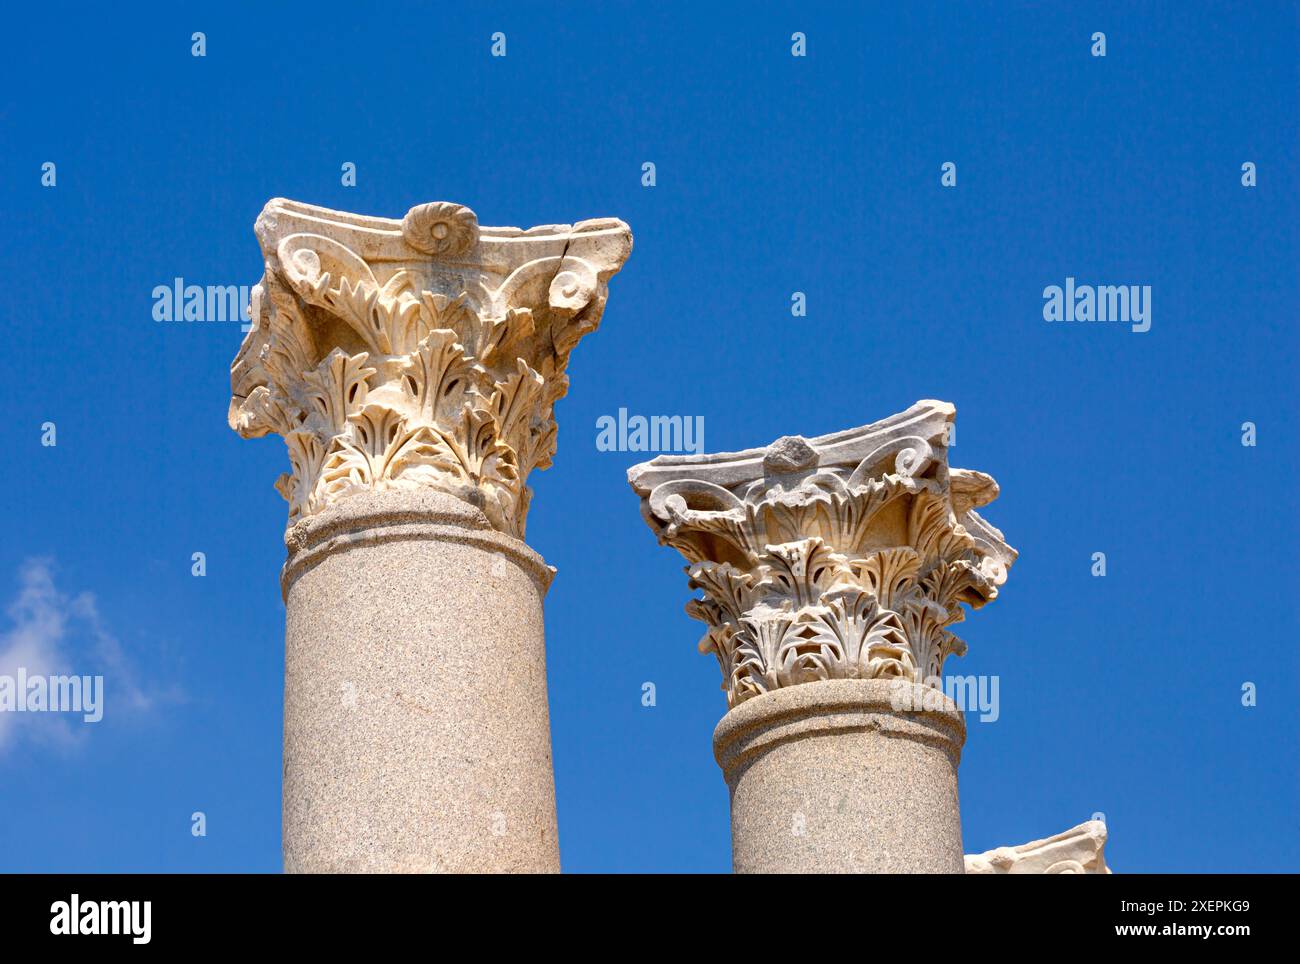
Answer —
841 557
425 352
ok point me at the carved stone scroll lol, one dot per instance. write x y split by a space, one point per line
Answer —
425 352
846 556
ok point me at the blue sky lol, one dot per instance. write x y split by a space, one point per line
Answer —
775 174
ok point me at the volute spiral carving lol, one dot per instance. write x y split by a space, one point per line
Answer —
422 352
841 557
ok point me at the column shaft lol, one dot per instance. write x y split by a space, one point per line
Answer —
830 778
416 728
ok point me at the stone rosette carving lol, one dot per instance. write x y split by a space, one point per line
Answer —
428 351
1078 850
846 556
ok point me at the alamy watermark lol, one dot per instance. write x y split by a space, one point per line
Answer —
971 694
657 433
181 302
35 693
129 918
1127 304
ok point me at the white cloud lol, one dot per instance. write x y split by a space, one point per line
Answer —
56 633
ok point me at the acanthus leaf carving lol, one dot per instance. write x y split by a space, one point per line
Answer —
421 352
842 557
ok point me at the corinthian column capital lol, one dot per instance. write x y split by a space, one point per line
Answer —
421 353
845 556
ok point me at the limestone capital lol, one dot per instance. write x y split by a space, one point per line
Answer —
422 353
845 556
1074 851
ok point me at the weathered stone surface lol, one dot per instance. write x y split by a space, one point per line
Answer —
841 557
832 778
1074 851
416 725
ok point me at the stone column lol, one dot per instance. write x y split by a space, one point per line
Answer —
412 367
831 569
